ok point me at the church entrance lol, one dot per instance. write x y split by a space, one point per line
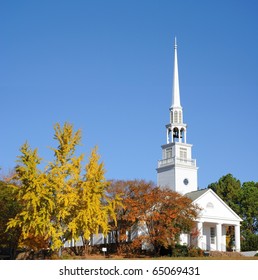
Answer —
209 236
217 237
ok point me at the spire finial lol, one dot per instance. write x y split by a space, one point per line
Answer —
175 45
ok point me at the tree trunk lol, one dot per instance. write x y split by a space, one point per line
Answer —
86 246
60 252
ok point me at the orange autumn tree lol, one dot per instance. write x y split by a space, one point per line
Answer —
123 223
161 215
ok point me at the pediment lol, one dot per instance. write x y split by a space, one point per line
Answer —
213 207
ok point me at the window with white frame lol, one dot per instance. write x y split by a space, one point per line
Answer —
171 117
212 235
180 116
169 153
183 153
176 117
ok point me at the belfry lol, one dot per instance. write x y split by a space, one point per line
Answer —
177 170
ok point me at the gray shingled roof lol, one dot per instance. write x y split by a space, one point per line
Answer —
194 195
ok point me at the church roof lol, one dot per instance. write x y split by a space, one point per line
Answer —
196 194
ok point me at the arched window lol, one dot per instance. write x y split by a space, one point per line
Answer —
175 132
209 205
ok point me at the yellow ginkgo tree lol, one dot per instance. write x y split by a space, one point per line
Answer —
63 176
62 202
94 208
35 200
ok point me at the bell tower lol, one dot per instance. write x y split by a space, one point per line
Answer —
177 170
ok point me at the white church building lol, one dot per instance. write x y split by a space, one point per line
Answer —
177 170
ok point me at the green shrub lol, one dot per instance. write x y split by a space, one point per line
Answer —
250 243
179 251
195 252
184 251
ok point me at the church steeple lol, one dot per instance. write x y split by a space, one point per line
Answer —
177 170
176 129
175 91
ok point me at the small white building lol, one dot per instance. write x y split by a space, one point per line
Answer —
178 171
213 220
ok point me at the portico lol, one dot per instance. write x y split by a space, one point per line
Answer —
212 236
214 219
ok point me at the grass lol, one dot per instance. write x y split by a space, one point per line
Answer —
213 256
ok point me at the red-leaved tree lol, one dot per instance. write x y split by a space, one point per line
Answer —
152 216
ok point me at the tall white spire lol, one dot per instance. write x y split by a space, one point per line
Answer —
177 170
176 129
175 91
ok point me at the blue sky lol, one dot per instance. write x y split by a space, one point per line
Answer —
106 67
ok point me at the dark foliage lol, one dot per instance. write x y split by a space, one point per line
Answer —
250 243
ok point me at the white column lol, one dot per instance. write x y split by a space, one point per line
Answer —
199 238
223 239
168 136
218 236
185 136
237 238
